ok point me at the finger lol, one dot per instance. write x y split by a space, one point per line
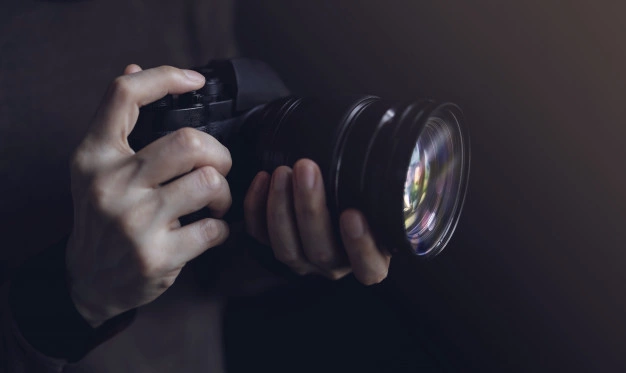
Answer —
313 218
178 153
131 69
370 265
255 207
281 222
119 110
193 239
204 187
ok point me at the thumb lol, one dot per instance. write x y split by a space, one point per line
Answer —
119 110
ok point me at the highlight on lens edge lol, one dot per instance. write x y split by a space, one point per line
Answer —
433 188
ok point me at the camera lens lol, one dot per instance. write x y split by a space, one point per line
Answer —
405 165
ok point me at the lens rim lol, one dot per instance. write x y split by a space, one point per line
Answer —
452 115
395 141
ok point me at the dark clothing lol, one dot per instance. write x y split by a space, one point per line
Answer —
308 323
43 328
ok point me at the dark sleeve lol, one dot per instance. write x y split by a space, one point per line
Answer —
41 329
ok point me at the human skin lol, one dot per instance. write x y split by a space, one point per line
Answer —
127 246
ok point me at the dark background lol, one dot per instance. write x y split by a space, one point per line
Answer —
533 280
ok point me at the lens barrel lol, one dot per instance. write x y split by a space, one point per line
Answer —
365 147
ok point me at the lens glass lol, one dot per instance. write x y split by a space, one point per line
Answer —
432 185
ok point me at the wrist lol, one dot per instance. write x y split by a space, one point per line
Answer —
94 319
79 291
91 310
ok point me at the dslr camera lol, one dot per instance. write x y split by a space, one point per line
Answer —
404 164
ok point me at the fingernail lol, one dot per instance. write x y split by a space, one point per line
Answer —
305 177
353 226
280 181
194 75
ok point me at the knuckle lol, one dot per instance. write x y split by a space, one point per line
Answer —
212 232
209 178
216 187
189 139
169 71
220 154
205 146
121 88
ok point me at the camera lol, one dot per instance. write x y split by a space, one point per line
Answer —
404 164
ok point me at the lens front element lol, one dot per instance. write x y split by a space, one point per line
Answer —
433 185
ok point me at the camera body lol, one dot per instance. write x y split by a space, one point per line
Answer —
234 89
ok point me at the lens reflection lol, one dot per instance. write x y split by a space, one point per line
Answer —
431 185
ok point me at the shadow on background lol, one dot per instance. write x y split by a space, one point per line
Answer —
533 279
